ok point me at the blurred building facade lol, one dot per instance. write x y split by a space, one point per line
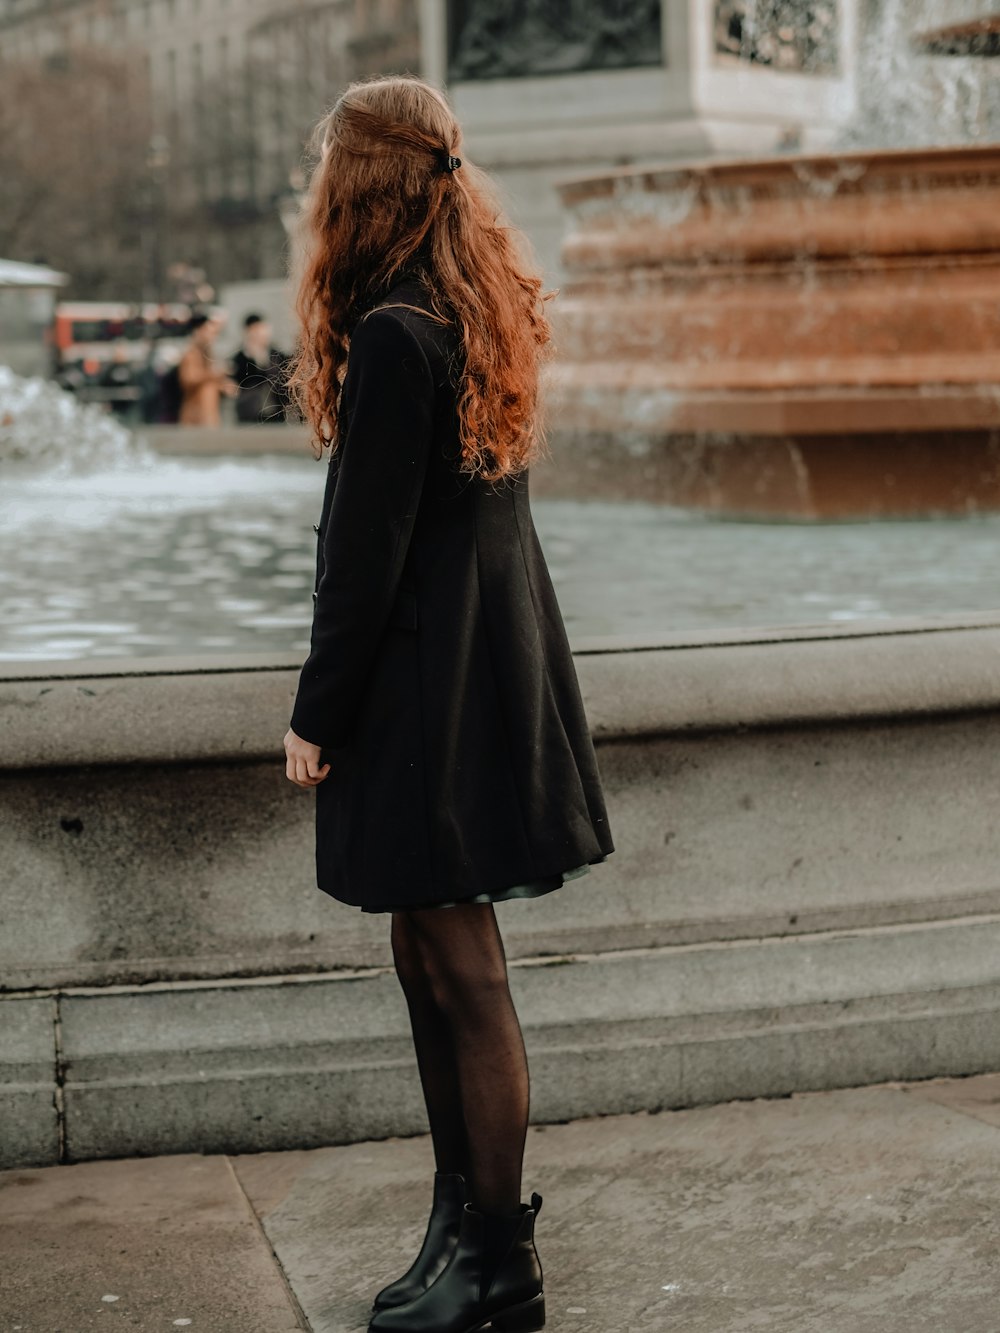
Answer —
232 88
546 89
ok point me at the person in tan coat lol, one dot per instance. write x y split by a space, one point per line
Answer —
203 380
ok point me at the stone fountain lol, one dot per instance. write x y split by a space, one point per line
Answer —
807 893
802 337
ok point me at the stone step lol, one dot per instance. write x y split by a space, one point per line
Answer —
288 1062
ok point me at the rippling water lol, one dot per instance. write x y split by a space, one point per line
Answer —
214 556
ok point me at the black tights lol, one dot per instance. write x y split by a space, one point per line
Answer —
473 1069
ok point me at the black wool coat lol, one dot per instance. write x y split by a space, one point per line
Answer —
440 684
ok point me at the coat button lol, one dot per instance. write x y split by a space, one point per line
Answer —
316 528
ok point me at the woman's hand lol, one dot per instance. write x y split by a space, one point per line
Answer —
302 761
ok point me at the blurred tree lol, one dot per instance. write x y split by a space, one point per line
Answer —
116 181
75 133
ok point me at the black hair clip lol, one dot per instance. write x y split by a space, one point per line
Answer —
449 163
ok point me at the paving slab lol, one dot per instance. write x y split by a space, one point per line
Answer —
149 1244
863 1211
867 1210
978 1095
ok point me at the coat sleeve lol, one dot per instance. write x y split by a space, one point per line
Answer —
387 406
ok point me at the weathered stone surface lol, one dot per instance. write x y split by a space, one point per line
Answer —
238 1067
145 1245
844 1211
804 893
978 1096
148 712
235 709
29 1129
256 1066
807 781
183 870
851 1210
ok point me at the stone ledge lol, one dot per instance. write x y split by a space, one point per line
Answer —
140 1029
23 981
588 398
259 1102
227 710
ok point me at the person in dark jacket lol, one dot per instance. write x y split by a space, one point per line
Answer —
438 715
119 379
259 372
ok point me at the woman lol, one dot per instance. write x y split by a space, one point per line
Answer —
438 714
202 380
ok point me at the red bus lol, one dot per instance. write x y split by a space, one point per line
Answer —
89 334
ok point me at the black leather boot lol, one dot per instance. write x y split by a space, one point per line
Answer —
439 1241
493 1279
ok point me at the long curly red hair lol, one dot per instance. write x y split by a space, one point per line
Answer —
381 204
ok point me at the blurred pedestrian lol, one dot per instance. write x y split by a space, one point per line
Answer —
71 376
202 379
259 371
148 379
118 378
167 408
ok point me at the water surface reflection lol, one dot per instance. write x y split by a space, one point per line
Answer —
215 556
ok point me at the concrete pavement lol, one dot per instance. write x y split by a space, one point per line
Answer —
869 1210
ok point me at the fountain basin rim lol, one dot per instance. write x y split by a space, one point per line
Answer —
212 664
191 712
797 168
588 396
940 41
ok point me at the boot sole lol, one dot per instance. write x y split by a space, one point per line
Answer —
525 1318
528 1317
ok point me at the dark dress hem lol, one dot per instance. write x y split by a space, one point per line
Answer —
536 888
